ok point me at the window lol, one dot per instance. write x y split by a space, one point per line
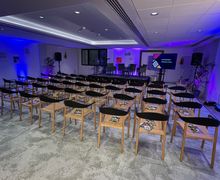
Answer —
94 57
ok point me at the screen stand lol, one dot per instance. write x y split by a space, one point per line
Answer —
160 75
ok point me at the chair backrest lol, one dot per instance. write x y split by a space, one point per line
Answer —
95 86
153 116
156 86
184 95
72 91
121 67
54 88
94 94
188 104
177 88
110 65
155 100
74 104
203 121
27 95
68 83
112 88
49 99
132 67
123 97
7 91
38 85
133 90
156 92
119 81
113 111
81 84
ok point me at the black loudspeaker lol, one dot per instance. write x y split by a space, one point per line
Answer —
196 59
58 56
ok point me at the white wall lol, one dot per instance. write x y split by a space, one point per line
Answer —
28 63
69 65
211 54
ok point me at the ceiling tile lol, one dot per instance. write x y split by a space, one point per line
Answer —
145 4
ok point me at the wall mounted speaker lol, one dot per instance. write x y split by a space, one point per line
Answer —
196 59
58 56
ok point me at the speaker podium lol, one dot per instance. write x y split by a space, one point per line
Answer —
58 58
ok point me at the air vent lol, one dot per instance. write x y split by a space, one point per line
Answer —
120 11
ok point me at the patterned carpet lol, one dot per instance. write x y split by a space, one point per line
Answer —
27 152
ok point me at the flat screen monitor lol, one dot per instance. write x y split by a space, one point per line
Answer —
164 61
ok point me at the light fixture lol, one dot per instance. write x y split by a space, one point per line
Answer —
98 35
106 29
199 30
62 34
41 17
154 14
156 32
76 12
83 27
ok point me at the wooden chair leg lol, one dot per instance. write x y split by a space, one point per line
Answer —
163 146
64 125
214 147
173 130
99 135
11 110
31 115
40 118
81 130
53 122
94 116
99 129
20 111
129 122
183 142
2 104
122 139
134 127
137 140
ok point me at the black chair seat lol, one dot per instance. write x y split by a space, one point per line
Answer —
155 100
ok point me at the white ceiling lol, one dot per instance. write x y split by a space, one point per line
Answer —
179 23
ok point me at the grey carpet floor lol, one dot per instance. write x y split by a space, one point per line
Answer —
29 152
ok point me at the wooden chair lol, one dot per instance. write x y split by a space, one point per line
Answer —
78 112
188 109
99 100
179 96
135 92
156 93
31 80
30 101
154 105
73 94
9 84
10 96
39 88
151 123
113 118
96 87
197 128
50 105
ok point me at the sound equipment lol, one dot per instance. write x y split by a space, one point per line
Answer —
58 56
196 59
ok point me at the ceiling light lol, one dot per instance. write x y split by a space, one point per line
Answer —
83 27
154 14
98 34
41 17
76 12
106 29
199 30
42 28
156 32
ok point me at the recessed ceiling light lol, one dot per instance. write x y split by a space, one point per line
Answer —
41 17
106 29
154 14
83 27
76 12
98 34
156 32
199 30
